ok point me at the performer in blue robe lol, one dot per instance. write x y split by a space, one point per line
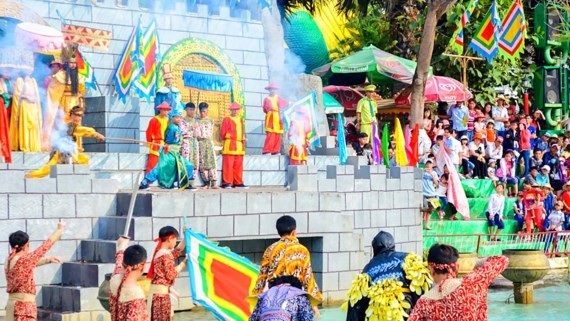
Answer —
172 167
168 93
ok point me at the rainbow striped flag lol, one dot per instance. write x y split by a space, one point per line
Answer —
127 71
84 69
486 39
511 42
304 111
457 38
148 57
220 280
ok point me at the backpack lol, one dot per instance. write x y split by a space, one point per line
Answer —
278 313
274 303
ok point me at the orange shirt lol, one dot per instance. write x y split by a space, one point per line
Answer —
232 133
491 135
155 133
271 107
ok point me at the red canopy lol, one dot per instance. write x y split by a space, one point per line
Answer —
347 96
438 89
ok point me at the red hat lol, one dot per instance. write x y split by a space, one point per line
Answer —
235 106
272 85
164 106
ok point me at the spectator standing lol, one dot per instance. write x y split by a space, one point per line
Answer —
518 209
428 120
511 136
466 165
500 115
438 129
565 198
488 111
430 184
538 119
495 213
477 156
459 115
472 114
452 146
490 132
525 146
542 143
480 125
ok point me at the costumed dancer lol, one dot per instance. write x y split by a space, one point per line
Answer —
389 276
19 269
189 128
66 90
172 167
207 155
54 66
288 257
298 151
534 208
155 134
126 298
450 298
6 93
232 133
272 106
163 272
168 93
5 147
366 112
74 132
26 117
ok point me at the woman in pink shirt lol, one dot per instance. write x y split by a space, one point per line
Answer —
524 146
506 171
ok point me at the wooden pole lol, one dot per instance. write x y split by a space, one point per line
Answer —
464 61
131 206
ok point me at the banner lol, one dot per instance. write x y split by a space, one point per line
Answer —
341 138
84 69
511 42
148 57
457 40
220 280
304 111
486 40
89 37
400 153
386 145
128 68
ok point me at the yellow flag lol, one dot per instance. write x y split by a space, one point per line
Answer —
401 158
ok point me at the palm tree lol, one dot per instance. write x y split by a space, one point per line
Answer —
435 10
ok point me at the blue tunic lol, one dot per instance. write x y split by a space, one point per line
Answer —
172 97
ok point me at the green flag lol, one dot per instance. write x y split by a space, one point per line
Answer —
385 145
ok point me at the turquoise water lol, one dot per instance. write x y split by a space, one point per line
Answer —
550 303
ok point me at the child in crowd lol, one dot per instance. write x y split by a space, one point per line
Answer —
495 213
555 223
534 208
438 129
430 182
466 165
368 153
548 202
565 199
19 270
392 157
442 194
490 132
519 212
491 171
479 126
163 272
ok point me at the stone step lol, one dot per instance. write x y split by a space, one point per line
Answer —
98 251
84 274
143 204
111 227
66 299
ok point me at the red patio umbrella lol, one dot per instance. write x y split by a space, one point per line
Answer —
347 96
438 89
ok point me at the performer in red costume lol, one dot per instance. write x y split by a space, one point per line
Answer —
232 133
5 149
450 298
534 209
272 106
155 134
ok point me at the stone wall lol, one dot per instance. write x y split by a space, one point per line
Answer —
234 30
338 212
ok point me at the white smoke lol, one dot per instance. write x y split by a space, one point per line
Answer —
60 141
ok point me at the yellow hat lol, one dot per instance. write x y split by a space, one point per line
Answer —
370 88
166 71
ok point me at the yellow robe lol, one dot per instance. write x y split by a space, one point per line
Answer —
77 158
26 118
60 98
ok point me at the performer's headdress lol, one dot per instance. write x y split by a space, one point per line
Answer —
56 60
164 106
69 53
443 259
164 234
77 111
166 71
235 106
272 86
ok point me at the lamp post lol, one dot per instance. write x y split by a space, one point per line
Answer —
526 85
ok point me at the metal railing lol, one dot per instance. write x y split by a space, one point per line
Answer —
553 243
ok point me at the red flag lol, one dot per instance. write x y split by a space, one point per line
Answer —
414 145
5 149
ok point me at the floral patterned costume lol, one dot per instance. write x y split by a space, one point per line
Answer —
460 299
205 133
125 302
21 286
189 149
164 274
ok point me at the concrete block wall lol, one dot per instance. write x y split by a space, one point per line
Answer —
233 30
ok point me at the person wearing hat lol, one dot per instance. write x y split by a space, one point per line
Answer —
62 151
172 169
459 115
298 152
189 125
477 156
55 66
543 177
501 115
232 133
534 208
155 134
272 106
207 155
168 93
366 112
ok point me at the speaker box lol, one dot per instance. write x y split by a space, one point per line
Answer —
547 87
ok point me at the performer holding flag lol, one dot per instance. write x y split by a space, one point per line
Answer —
272 106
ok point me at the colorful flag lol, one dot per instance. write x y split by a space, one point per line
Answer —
304 111
220 280
84 69
486 40
376 145
511 42
148 57
407 138
415 146
401 158
457 40
385 145
340 136
128 68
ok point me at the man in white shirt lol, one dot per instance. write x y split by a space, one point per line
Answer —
500 115
495 212
452 146
495 150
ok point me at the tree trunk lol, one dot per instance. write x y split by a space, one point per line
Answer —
436 9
